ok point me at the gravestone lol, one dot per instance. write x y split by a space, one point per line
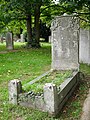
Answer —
84 48
50 39
22 38
65 42
9 41
2 39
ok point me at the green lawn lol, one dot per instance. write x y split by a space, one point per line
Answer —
27 64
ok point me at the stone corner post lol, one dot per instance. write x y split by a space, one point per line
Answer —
50 98
15 88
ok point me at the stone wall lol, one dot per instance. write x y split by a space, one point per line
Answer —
84 48
65 39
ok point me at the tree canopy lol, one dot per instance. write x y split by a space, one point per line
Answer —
18 13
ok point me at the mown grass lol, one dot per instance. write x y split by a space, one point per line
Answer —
22 64
26 65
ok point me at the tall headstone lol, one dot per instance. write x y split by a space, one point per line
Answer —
9 41
84 48
65 42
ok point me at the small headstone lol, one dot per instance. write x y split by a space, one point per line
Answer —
22 38
1 39
50 39
9 41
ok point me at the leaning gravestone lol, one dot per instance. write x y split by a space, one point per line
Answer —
9 41
65 39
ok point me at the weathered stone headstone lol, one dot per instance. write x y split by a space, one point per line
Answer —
84 48
1 39
22 38
50 39
65 39
9 41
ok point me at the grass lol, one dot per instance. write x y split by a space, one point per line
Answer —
26 65
55 77
85 69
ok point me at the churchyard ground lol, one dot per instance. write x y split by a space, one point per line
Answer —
27 64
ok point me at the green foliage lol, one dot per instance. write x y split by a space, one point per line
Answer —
12 10
50 11
85 69
81 7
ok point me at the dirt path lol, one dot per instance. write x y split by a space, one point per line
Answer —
86 107
4 52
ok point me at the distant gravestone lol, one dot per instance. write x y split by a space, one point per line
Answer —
65 37
84 48
22 38
9 41
2 39
50 39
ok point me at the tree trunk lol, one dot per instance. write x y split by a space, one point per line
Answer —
29 31
37 25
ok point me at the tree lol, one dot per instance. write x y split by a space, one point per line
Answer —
32 10
24 10
81 7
